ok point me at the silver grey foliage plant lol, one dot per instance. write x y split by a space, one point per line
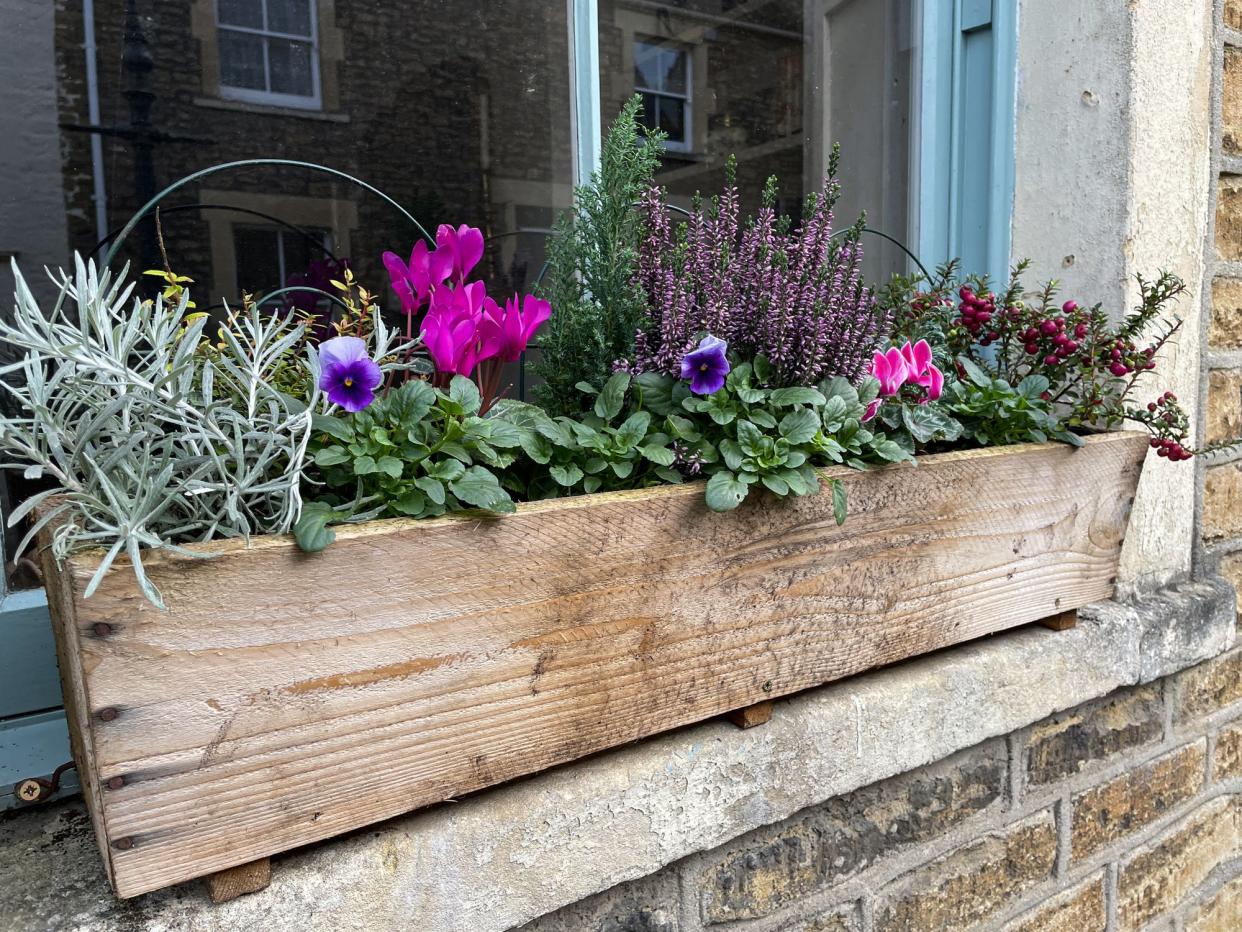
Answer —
149 442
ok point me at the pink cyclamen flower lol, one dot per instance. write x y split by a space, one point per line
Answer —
892 371
451 329
414 280
706 366
457 251
508 331
348 374
921 370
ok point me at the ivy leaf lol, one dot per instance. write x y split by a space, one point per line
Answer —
477 486
463 391
725 492
799 426
311 530
608 404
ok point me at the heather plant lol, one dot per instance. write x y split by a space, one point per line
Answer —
591 279
792 295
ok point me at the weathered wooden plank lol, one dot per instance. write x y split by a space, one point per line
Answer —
263 708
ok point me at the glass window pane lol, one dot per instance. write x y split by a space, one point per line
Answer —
776 84
248 13
673 71
258 259
291 16
673 118
241 60
646 65
290 63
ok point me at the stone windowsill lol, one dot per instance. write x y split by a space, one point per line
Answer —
502 857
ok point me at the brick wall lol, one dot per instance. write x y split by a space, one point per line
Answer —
1125 813
1221 526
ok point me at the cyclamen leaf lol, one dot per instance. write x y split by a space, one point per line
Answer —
725 492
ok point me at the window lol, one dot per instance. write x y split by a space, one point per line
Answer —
268 52
662 76
266 257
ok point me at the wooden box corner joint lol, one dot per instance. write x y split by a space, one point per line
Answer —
233 882
750 716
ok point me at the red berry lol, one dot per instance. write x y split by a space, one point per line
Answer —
1156 443
1048 327
1080 331
1151 407
1162 452
1051 360
1118 369
1032 348
1071 347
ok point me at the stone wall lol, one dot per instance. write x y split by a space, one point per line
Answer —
1123 813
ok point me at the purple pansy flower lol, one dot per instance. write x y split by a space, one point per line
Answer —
707 366
347 373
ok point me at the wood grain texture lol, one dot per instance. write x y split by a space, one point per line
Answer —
285 698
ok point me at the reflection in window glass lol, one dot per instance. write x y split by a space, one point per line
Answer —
469 124
776 83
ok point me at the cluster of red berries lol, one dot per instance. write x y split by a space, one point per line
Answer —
1055 339
1166 414
978 313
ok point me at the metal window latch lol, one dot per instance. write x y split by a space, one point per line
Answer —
36 789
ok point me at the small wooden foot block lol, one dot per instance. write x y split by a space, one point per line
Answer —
751 715
1062 622
237 881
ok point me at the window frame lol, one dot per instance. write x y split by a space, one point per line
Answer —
266 97
687 99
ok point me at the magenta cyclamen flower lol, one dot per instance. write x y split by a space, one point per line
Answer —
707 366
451 328
413 282
457 251
921 370
347 373
507 332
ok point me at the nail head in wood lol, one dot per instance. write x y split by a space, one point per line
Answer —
1062 621
751 715
229 884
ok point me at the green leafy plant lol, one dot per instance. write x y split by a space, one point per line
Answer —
416 452
592 260
992 412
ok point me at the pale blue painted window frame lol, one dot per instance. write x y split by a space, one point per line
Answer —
966 178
